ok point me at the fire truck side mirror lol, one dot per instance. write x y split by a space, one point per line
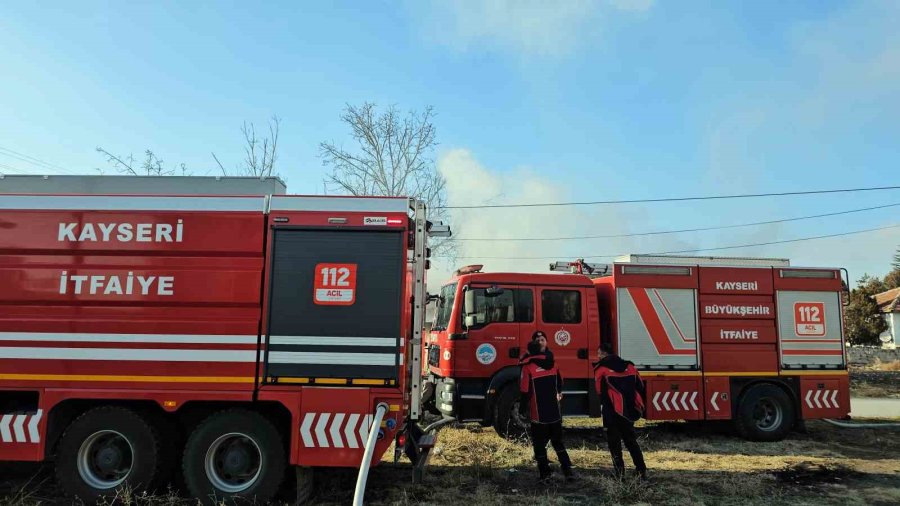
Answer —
469 302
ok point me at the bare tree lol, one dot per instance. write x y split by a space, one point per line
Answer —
152 165
261 154
392 156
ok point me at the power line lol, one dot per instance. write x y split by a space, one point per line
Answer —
33 161
675 199
678 231
12 169
719 248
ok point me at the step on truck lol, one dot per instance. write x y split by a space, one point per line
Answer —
752 341
225 338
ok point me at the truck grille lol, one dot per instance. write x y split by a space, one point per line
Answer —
434 355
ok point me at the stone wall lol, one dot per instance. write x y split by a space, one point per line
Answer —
862 355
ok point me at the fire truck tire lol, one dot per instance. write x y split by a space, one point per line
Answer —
105 449
765 413
507 421
234 454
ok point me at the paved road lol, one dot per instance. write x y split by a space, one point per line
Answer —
861 407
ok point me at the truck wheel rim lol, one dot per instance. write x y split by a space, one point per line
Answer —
768 415
233 462
105 459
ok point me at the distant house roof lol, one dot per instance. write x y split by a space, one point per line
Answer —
889 301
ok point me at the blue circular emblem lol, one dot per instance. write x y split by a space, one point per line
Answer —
486 353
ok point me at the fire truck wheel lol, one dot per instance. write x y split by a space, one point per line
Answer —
234 454
508 422
104 449
765 413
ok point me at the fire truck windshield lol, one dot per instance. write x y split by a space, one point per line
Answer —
445 307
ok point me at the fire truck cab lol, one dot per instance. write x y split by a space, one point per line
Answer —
754 341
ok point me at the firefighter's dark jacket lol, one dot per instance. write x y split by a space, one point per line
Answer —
539 383
620 387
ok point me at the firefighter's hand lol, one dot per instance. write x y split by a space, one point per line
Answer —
559 397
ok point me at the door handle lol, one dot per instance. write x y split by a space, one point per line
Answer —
582 353
514 352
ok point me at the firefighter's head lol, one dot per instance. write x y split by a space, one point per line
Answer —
604 350
540 338
534 348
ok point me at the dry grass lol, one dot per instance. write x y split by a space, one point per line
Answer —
879 379
878 365
689 465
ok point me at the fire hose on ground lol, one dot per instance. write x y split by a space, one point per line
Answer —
360 491
851 425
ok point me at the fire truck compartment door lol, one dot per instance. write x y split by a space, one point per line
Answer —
352 331
658 326
809 329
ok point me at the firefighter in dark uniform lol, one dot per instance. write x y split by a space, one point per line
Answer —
540 338
541 388
622 399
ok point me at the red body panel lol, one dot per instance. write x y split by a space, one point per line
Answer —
718 397
738 358
674 398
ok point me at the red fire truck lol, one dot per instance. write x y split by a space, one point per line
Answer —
233 335
753 341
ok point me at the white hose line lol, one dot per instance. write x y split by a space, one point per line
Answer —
360 491
850 425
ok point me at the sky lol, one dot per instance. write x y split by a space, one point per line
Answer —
536 101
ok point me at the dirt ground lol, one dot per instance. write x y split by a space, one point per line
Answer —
689 465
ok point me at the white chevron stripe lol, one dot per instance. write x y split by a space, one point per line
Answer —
665 400
816 398
304 430
321 438
834 400
350 430
364 429
684 404
33 426
712 401
808 402
825 398
19 429
5 435
655 399
336 430
694 401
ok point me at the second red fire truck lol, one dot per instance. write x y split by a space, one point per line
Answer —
752 341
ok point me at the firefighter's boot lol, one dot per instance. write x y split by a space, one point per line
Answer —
566 464
544 470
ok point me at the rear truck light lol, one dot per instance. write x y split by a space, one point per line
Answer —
807 274
665 270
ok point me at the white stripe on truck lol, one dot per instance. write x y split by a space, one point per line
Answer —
131 203
131 354
127 338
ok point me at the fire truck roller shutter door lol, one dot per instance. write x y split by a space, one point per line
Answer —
658 326
359 336
809 329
